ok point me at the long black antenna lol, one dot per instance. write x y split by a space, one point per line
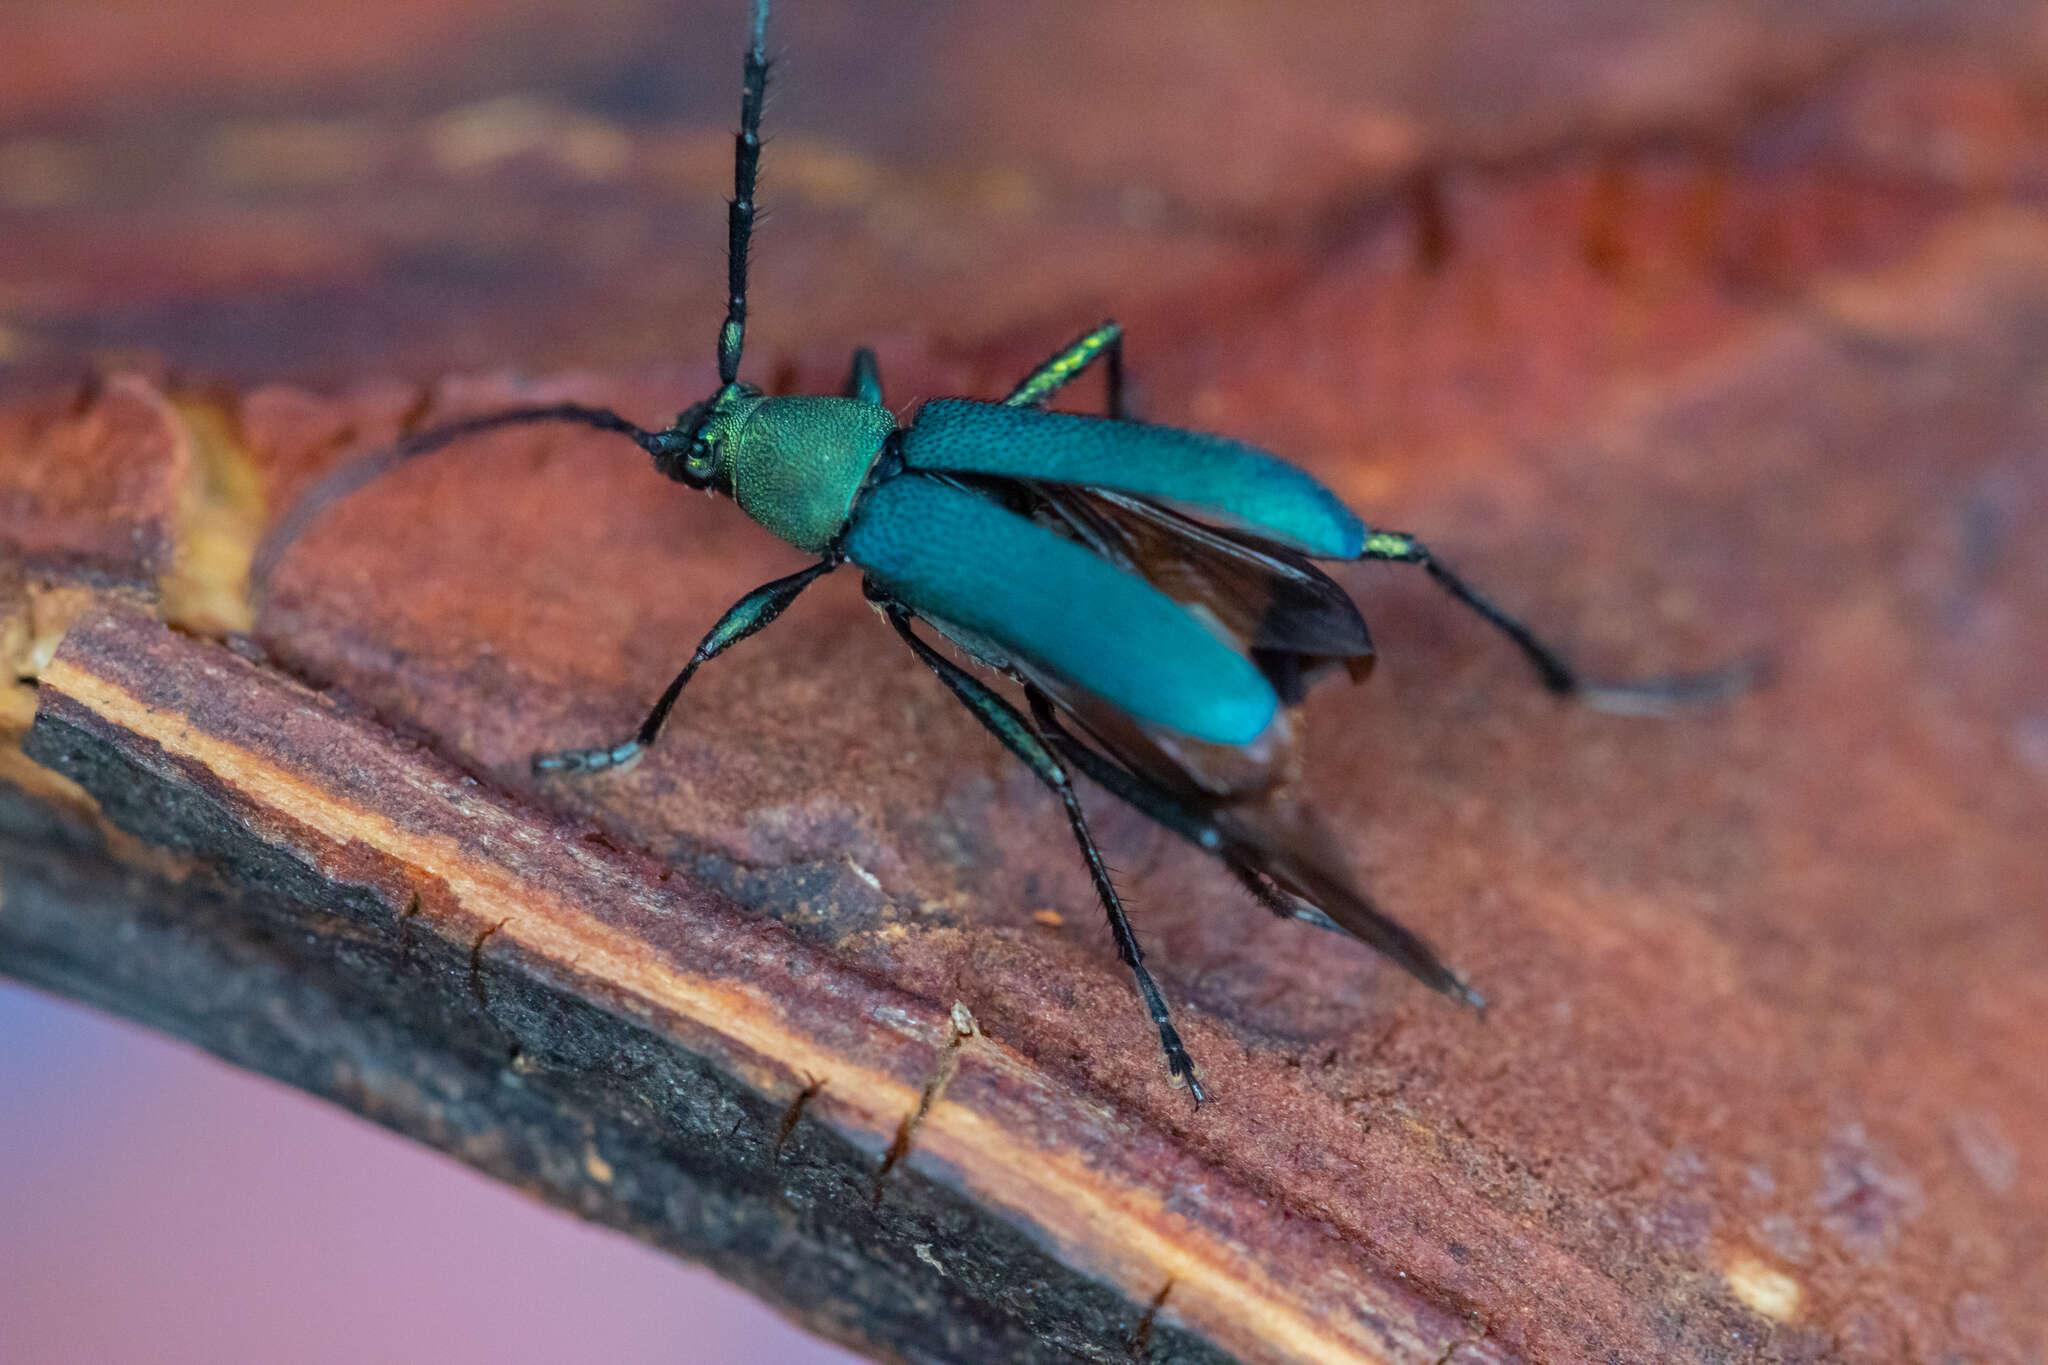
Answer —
357 473
739 217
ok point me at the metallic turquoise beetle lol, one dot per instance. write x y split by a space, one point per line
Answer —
1153 586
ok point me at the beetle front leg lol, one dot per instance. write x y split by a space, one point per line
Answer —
1017 735
750 614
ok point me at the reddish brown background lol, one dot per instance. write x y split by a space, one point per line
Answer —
1686 332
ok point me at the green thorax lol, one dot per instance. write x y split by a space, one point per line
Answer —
794 464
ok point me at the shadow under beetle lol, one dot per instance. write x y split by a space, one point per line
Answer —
1153 586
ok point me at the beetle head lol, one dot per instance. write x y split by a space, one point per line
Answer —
695 449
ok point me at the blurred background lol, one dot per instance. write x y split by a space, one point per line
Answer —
1494 205
159 1206
257 190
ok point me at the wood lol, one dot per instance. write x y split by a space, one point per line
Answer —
1728 336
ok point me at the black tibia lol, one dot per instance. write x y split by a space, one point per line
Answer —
864 378
739 217
1104 343
1126 786
1162 808
1289 885
750 614
1006 724
358 473
1652 696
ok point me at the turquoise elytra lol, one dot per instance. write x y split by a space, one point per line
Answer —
963 561
1216 478
794 464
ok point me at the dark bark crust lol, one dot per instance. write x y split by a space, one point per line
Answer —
274 968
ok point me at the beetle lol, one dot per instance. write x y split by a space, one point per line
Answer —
1153 591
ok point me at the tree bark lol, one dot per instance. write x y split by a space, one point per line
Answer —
1727 335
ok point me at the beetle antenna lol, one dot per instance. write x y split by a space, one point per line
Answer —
739 215
357 473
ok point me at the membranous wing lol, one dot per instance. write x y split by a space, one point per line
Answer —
1218 532
1289 617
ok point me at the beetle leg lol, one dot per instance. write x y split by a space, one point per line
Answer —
1367 922
1004 722
747 616
1163 808
1105 343
1125 785
864 379
1650 697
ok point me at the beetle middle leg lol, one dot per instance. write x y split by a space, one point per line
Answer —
750 614
1164 809
1105 343
863 377
1651 697
1004 722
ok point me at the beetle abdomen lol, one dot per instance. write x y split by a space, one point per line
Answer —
796 463
968 563
1213 477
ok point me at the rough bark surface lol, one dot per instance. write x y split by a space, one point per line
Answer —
1686 330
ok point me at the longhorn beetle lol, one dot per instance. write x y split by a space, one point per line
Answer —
1151 590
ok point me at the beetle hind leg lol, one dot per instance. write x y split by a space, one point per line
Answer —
1653 696
1018 736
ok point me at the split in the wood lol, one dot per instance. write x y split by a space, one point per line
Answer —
476 965
1141 1336
960 1026
795 1112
